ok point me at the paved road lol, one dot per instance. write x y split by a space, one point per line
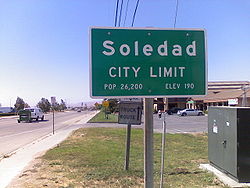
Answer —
175 124
181 124
14 135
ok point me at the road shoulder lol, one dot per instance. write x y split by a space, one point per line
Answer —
11 167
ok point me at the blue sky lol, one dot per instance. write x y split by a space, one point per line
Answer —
44 44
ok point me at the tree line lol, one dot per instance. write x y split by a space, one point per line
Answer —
44 104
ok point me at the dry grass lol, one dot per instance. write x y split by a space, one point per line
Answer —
94 157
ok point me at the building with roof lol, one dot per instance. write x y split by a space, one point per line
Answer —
223 93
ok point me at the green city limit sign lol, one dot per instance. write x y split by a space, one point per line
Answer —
142 62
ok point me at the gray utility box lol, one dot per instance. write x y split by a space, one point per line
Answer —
229 141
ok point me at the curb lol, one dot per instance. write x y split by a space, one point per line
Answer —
104 122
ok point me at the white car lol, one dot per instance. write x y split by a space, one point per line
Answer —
36 113
190 112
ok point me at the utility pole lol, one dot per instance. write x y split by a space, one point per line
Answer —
244 95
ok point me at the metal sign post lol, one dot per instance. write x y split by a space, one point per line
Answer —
148 143
106 113
53 124
129 113
126 166
53 102
163 148
105 104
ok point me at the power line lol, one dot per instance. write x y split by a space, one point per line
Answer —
126 12
137 3
116 11
176 12
120 16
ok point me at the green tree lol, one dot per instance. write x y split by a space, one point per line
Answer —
62 105
26 105
98 106
20 104
56 106
44 104
59 107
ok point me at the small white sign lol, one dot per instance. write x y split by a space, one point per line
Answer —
232 101
215 129
130 113
53 101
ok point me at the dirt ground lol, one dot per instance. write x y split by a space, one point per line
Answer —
36 175
40 174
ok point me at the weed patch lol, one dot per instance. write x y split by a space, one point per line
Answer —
94 157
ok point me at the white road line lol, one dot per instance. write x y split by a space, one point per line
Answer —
177 130
78 120
18 134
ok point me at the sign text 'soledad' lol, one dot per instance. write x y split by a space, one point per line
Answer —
148 49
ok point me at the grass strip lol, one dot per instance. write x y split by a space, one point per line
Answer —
100 118
7 114
94 157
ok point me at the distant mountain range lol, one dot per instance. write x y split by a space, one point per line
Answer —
88 103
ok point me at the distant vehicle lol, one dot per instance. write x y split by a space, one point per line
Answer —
36 113
79 110
24 115
173 110
190 112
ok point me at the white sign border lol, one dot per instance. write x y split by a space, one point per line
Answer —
145 28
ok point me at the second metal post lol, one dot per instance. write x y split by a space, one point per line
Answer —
148 143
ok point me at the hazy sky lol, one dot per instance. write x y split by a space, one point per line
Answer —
44 44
